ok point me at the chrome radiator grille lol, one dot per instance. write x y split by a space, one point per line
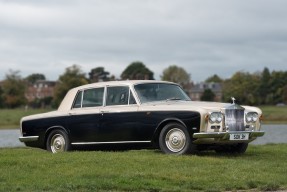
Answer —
234 119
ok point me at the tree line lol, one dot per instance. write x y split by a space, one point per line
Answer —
261 88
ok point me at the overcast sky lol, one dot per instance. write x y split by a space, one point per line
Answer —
205 37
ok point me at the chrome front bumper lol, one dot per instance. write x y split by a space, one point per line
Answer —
29 138
226 135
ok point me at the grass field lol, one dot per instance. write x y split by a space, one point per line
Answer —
261 168
10 118
273 114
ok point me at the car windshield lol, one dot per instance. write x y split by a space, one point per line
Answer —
151 92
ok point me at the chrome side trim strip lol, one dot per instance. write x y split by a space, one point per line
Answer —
111 142
29 138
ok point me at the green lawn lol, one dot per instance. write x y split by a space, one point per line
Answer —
262 168
10 118
274 115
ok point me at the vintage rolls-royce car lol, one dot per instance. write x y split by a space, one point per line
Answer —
156 113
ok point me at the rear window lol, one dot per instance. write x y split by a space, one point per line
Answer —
89 98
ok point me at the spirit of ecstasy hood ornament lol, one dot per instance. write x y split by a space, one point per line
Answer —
233 100
233 105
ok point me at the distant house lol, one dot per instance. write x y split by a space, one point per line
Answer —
197 90
40 89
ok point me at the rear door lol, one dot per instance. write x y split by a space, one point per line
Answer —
120 116
84 119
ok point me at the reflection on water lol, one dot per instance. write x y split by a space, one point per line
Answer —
273 134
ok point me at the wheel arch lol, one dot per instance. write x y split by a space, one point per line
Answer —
50 129
161 125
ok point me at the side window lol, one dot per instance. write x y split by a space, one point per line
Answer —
93 97
78 101
117 95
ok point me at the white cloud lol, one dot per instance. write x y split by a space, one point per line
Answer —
204 37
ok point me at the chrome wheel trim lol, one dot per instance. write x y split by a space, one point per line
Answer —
175 140
58 143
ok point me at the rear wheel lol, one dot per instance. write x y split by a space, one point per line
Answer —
174 139
58 141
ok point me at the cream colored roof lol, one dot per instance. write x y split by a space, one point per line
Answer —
126 82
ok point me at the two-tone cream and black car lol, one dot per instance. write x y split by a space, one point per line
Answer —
155 113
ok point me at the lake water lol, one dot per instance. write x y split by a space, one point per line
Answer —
273 134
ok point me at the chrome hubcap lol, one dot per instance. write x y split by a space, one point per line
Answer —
58 143
175 140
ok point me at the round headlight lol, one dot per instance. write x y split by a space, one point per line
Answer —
248 118
254 117
215 117
212 118
251 117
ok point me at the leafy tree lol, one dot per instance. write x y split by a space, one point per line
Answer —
263 88
41 103
176 74
35 77
277 83
13 89
215 78
284 99
72 77
137 71
243 87
207 95
1 97
99 74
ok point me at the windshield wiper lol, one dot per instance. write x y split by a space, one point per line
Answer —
173 99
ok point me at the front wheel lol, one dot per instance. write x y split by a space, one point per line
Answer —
174 139
58 141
